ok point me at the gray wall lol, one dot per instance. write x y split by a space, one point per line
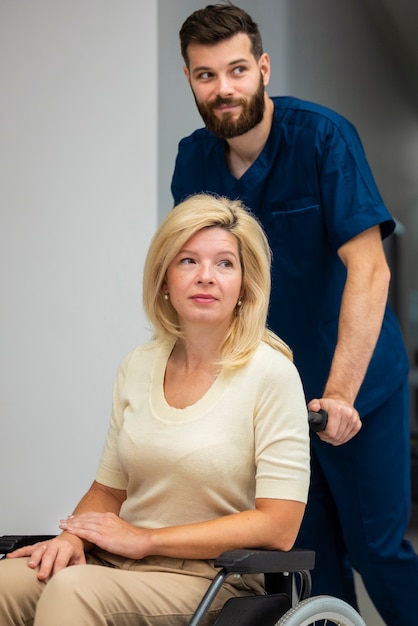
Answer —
78 183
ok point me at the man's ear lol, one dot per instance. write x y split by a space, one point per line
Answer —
264 65
186 73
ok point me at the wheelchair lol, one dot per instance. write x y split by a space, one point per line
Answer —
283 605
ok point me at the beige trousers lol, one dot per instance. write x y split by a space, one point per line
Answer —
113 591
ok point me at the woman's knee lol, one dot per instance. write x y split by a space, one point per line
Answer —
70 597
65 584
20 590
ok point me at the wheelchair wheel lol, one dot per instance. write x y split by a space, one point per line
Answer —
321 610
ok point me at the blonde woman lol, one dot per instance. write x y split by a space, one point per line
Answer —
207 448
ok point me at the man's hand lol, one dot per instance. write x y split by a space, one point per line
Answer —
343 420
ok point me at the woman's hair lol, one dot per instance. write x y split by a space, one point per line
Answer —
248 327
218 22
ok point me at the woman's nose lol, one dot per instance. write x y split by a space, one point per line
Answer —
205 274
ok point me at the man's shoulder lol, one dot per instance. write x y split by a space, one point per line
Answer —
201 139
296 110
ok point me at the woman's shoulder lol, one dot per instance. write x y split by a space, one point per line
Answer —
142 356
269 358
272 374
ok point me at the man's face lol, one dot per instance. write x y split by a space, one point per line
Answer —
228 85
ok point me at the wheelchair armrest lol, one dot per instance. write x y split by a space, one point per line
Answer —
8 543
266 561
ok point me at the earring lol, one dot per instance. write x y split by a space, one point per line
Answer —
239 302
166 296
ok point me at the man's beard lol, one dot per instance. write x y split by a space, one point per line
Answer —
225 126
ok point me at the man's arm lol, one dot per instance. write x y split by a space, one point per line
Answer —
362 309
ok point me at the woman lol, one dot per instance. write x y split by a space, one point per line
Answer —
207 448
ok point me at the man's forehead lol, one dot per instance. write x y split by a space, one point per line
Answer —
228 51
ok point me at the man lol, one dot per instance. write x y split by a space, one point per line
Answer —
302 170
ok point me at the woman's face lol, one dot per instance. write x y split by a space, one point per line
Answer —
204 280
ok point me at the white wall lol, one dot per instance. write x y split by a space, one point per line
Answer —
78 128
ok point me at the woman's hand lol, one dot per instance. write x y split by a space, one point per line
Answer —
109 532
53 555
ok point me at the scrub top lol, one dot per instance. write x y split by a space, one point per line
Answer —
313 190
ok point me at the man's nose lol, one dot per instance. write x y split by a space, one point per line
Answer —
224 86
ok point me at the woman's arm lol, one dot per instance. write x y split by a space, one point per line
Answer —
102 499
273 524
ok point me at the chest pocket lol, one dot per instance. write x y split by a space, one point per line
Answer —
297 232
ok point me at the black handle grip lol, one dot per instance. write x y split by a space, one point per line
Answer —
318 421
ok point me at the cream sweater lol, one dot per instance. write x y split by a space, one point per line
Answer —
246 438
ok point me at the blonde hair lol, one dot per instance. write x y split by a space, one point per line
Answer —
248 327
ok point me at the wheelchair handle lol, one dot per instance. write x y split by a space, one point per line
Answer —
318 421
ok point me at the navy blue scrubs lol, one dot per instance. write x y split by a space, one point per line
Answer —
312 189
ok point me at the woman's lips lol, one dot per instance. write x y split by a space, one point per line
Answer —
204 298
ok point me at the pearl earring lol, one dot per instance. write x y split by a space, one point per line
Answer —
166 296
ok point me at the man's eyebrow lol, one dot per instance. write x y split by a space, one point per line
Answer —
207 68
201 68
242 60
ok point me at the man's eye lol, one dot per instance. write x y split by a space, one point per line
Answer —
204 75
239 70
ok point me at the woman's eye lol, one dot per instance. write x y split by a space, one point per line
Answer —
187 260
226 263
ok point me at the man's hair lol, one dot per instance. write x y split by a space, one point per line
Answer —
198 212
218 22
